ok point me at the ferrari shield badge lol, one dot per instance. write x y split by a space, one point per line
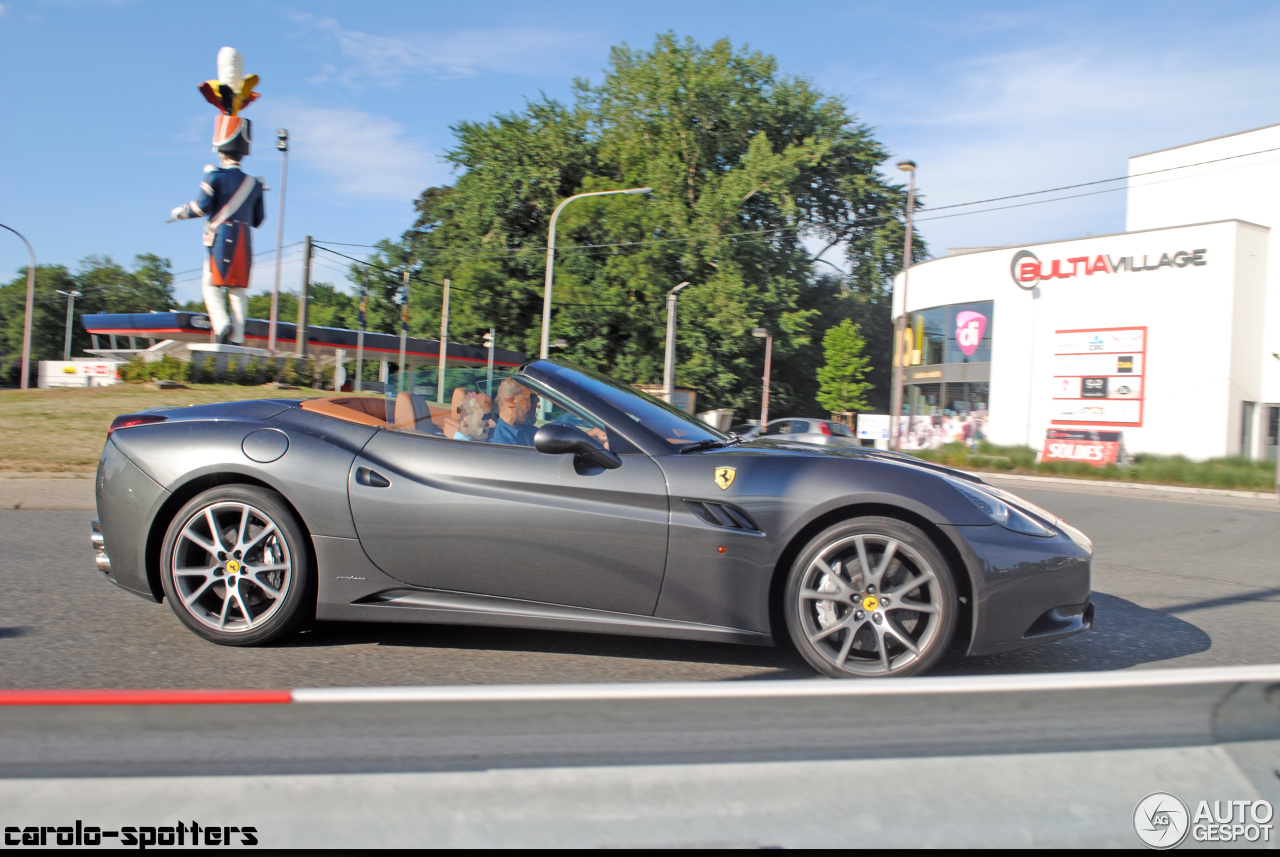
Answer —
724 476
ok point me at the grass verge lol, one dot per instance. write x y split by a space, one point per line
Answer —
1238 474
63 430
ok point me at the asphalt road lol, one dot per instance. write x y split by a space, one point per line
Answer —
1176 584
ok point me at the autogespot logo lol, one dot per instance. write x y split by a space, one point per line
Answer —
1161 820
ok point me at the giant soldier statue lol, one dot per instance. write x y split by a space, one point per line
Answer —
231 200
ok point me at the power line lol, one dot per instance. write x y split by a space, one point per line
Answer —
1097 182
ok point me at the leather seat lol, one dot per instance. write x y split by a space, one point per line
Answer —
413 414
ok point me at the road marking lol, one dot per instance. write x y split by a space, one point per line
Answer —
144 697
798 689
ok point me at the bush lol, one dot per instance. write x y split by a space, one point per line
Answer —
167 368
1231 473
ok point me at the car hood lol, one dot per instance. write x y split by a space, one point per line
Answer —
781 447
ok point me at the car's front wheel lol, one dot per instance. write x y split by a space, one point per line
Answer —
234 566
871 597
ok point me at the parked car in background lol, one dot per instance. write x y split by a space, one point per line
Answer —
823 432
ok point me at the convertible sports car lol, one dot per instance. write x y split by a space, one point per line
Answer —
555 497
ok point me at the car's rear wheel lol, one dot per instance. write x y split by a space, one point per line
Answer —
235 566
871 597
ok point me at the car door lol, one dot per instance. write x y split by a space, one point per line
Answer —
507 520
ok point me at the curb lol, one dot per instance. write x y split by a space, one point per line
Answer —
772 689
1134 486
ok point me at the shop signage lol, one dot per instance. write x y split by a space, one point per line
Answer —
1027 269
1098 376
970 327
1097 448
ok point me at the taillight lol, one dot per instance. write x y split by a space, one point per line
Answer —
129 420
824 428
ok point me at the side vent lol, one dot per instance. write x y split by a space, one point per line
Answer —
722 515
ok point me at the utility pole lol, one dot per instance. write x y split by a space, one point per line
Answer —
304 299
364 305
71 302
404 327
282 143
900 349
669 359
31 300
761 333
489 339
444 342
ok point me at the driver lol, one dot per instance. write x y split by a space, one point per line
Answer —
517 412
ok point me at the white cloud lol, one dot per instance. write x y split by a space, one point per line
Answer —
389 60
1016 121
363 155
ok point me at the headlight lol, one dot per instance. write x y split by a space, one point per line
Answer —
1005 514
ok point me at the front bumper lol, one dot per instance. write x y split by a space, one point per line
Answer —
1026 589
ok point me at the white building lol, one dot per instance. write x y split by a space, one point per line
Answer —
1166 333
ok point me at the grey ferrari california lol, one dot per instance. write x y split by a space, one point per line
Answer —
555 497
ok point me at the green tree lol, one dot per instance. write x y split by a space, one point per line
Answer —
840 384
104 286
745 162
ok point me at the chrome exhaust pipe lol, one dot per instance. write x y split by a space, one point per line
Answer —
103 561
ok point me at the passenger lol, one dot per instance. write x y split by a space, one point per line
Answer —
517 413
474 422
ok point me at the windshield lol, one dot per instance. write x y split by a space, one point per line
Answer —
668 422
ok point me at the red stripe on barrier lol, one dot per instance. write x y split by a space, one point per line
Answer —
145 697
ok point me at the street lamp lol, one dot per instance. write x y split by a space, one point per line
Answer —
282 143
551 257
71 302
761 333
490 339
900 329
31 299
669 361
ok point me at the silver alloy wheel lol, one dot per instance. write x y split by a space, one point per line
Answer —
231 567
870 604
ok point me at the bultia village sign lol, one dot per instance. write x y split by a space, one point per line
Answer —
1027 269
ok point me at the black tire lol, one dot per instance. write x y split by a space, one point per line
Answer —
853 633
259 565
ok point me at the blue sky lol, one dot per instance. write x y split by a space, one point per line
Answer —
104 131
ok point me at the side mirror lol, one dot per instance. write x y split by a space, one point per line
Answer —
559 439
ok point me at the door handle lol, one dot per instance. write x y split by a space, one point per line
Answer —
371 478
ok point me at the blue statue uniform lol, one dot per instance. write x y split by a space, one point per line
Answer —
233 203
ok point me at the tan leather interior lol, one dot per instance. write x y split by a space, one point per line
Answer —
412 413
365 410
450 423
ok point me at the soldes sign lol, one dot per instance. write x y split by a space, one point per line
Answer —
1098 448
1027 270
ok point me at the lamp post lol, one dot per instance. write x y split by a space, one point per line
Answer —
900 328
761 333
551 257
489 339
282 143
31 299
71 302
669 359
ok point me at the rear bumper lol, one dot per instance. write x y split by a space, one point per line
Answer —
127 499
1026 590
